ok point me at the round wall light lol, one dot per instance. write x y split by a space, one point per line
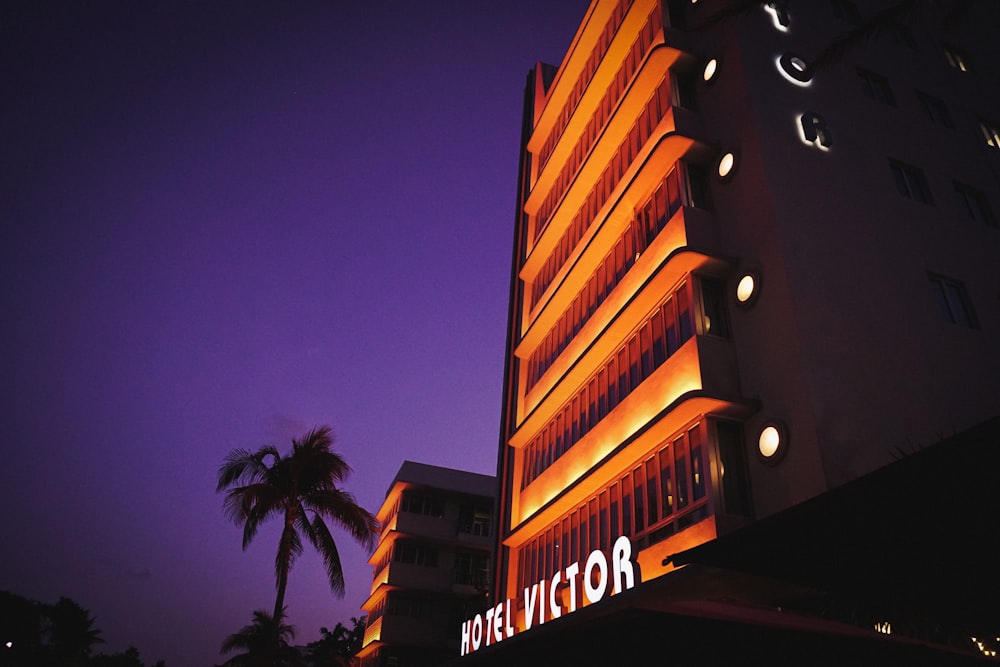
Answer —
747 288
726 164
711 68
772 442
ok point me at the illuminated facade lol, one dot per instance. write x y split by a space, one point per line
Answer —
740 281
431 565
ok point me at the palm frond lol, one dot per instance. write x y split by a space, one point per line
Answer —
327 547
895 14
265 635
727 12
260 512
242 467
341 507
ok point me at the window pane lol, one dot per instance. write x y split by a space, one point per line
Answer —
666 483
697 463
639 498
652 496
681 468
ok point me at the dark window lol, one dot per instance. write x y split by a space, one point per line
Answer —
475 518
697 187
910 182
876 87
414 554
846 11
400 604
420 503
935 110
953 301
957 58
471 569
991 132
684 91
732 469
713 308
975 205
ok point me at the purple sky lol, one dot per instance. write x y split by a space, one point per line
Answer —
223 223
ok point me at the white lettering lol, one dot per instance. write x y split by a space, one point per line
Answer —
466 627
595 593
477 632
497 622
539 607
572 572
489 624
508 613
541 601
621 563
555 611
529 606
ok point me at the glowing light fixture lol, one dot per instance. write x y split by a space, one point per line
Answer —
746 289
726 164
711 67
772 442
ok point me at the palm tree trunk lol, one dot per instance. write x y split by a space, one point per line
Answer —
281 566
279 603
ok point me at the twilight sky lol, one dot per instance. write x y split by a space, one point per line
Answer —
225 222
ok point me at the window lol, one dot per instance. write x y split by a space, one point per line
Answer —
991 131
401 604
732 469
419 503
713 308
935 110
953 301
975 205
846 11
471 569
415 554
876 87
957 58
475 518
910 182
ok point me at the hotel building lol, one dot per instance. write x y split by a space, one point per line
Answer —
754 260
431 565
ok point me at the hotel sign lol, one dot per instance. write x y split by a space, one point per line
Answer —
542 600
813 129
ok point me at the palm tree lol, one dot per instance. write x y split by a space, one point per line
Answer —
302 489
265 643
71 632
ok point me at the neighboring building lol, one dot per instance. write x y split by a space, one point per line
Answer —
740 282
431 565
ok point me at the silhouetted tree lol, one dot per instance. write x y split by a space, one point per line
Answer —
265 643
21 624
127 658
302 490
54 635
338 646
71 632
